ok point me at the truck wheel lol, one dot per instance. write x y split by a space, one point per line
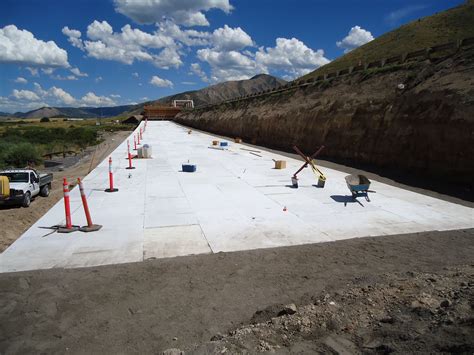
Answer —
44 192
26 199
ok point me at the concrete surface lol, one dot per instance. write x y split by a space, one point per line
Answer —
235 201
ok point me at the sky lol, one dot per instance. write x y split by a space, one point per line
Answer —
120 52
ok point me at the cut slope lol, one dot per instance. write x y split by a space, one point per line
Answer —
443 27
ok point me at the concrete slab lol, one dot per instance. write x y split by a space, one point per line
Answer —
235 201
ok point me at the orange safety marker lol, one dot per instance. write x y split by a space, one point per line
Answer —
134 142
91 227
141 134
129 157
111 178
68 228
138 138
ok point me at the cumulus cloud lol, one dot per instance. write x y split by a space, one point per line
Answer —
291 56
25 95
356 37
162 83
135 75
54 96
77 72
21 47
231 65
229 39
73 37
33 71
20 80
197 70
67 77
184 12
91 99
129 45
98 79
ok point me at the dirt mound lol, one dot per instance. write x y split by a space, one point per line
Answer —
403 313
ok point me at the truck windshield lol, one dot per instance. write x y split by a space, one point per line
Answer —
17 177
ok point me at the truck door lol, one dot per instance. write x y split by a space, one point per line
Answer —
34 184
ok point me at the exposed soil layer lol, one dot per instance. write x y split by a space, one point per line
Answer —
15 220
425 129
381 285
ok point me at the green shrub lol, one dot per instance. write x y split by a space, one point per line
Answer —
45 119
19 155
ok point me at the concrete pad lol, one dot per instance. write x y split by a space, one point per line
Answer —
174 241
235 201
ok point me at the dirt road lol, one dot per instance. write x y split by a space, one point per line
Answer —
16 220
184 302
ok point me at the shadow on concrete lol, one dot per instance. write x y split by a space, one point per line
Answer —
346 199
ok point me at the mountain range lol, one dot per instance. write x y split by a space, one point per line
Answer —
208 95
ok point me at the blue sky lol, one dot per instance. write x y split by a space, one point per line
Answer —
113 52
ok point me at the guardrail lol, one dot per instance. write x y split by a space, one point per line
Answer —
418 55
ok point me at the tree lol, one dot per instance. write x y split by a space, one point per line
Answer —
45 119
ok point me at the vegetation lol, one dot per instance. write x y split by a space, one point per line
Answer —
444 27
23 143
45 119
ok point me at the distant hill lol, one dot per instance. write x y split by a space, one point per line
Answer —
443 27
227 90
222 91
208 95
76 112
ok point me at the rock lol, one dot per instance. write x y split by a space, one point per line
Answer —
217 337
445 303
172 351
288 309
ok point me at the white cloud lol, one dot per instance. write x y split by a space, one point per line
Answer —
91 99
162 83
197 70
129 45
98 79
188 83
54 96
135 75
356 37
21 47
61 96
74 37
231 65
115 96
33 71
228 39
77 72
47 71
184 12
68 77
25 95
291 56
20 80
188 37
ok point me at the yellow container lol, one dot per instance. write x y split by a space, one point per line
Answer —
215 142
280 164
4 186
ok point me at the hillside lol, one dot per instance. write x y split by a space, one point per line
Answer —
227 90
220 92
76 112
443 27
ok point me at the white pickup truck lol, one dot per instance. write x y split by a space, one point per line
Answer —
23 185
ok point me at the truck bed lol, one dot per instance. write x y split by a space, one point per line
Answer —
45 179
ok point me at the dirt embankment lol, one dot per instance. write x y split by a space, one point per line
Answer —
424 129
15 220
